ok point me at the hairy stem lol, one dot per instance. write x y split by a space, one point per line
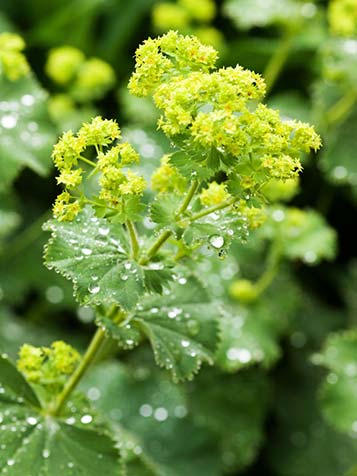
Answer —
277 61
188 198
135 247
88 357
165 235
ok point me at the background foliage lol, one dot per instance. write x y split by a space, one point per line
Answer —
281 399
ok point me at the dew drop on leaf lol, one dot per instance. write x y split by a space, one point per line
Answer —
216 241
94 289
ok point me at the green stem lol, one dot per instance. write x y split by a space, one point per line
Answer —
135 247
212 209
278 59
87 161
75 378
272 269
165 235
341 108
188 198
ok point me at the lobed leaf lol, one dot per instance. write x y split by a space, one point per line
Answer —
93 254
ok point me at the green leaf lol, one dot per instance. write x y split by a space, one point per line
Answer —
338 391
338 159
26 134
339 353
155 412
163 210
233 407
125 334
217 230
36 445
93 254
181 327
15 389
302 444
302 234
157 279
246 338
190 166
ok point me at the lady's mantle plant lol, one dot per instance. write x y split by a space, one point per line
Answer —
226 146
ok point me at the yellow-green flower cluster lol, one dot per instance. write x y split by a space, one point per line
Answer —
220 112
188 16
94 79
63 64
87 79
160 59
116 185
47 366
166 16
342 15
12 61
167 178
281 190
253 216
214 194
200 10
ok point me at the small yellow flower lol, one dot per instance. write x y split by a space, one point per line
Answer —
12 60
214 194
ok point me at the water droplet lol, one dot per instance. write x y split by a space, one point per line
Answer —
310 257
31 421
46 453
243 355
278 215
93 393
103 231
145 410
54 294
340 172
156 266
124 277
161 414
127 266
174 312
94 289
216 241
86 251
8 122
193 327
86 419
182 280
27 100
10 462
185 343
180 411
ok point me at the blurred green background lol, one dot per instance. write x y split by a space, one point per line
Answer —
277 413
